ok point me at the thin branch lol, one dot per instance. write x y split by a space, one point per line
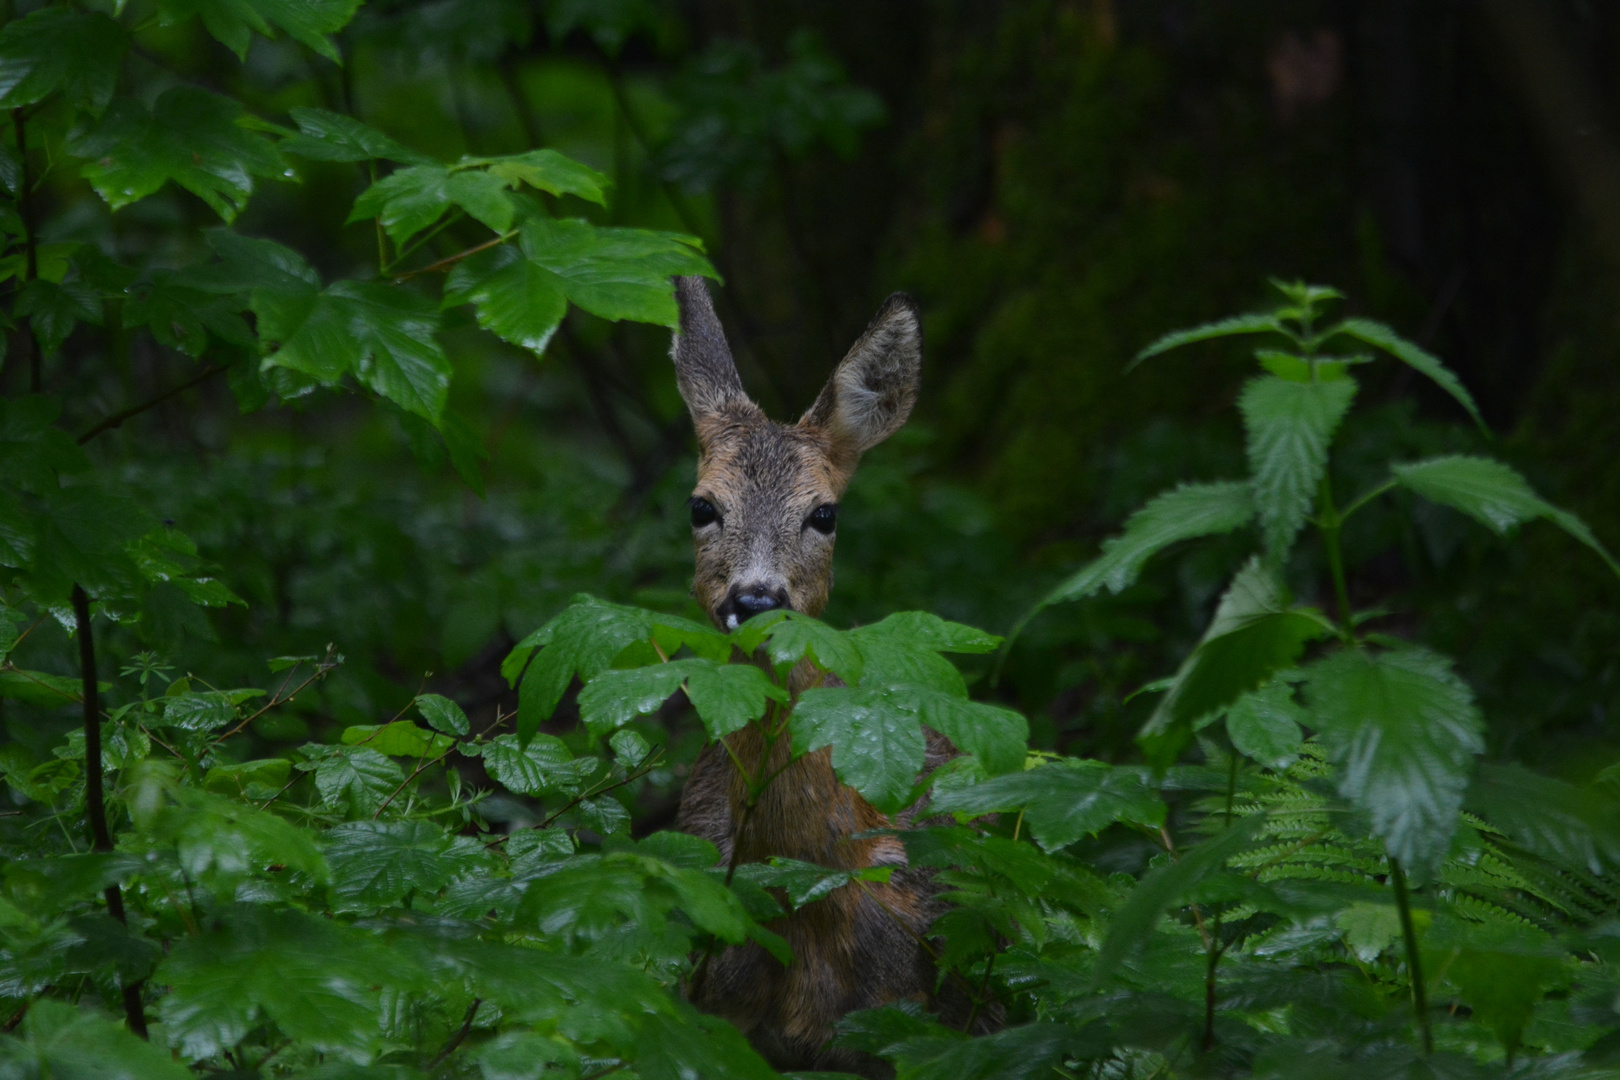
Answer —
95 806
443 264
459 1038
326 664
117 419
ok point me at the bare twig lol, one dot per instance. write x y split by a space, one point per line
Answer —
95 806
446 263
458 1038
325 664
117 419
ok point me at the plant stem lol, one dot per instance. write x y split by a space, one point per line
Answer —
457 257
117 419
1329 523
95 807
1387 485
460 1036
1414 960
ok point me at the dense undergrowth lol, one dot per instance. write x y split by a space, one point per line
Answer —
1310 873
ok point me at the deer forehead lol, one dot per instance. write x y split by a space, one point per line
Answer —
761 469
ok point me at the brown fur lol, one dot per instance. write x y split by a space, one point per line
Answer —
860 946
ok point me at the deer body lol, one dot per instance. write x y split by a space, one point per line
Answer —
764 513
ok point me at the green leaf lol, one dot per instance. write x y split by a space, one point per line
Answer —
551 172
1259 322
613 272
204 710
217 837
583 639
445 715
191 136
400 738
1063 800
328 136
1264 725
904 649
1501 972
233 22
1381 336
410 199
39 688
1026 1052
789 636
382 334
1404 730
513 298
1289 427
1183 513
543 767
62 1040
356 776
47 886
614 698
1253 634
376 863
877 744
314 979
55 309
1578 826
1133 923
805 883
1493 494
182 316
729 696
60 49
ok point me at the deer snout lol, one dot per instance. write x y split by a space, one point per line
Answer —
743 602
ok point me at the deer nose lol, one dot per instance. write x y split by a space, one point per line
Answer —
746 601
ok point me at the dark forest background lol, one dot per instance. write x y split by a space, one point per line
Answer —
1057 184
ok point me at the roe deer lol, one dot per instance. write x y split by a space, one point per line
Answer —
764 515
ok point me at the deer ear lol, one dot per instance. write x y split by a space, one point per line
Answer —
704 370
871 393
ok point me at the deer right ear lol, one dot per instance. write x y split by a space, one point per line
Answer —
704 370
873 389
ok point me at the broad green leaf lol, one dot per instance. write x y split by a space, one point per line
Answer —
357 777
904 649
512 298
1062 801
616 697
182 316
400 738
543 767
314 979
997 736
583 639
1183 513
1493 494
1289 427
729 696
1133 923
190 136
47 886
65 1041
613 272
54 309
788 636
60 49
1578 826
203 710
376 863
805 883
1026 1052
410 199
1259 322
550 171
877 744
234 22
1253 634
328 136
1501 972
1264 725
233 779
40 688
217 837
381 334
1424 363
1404 731
445 715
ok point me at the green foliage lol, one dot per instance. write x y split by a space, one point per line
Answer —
298 879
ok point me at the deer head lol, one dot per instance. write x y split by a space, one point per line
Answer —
765 508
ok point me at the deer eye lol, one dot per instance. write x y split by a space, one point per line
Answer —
703 512
824 518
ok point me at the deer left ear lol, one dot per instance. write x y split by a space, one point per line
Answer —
874 387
